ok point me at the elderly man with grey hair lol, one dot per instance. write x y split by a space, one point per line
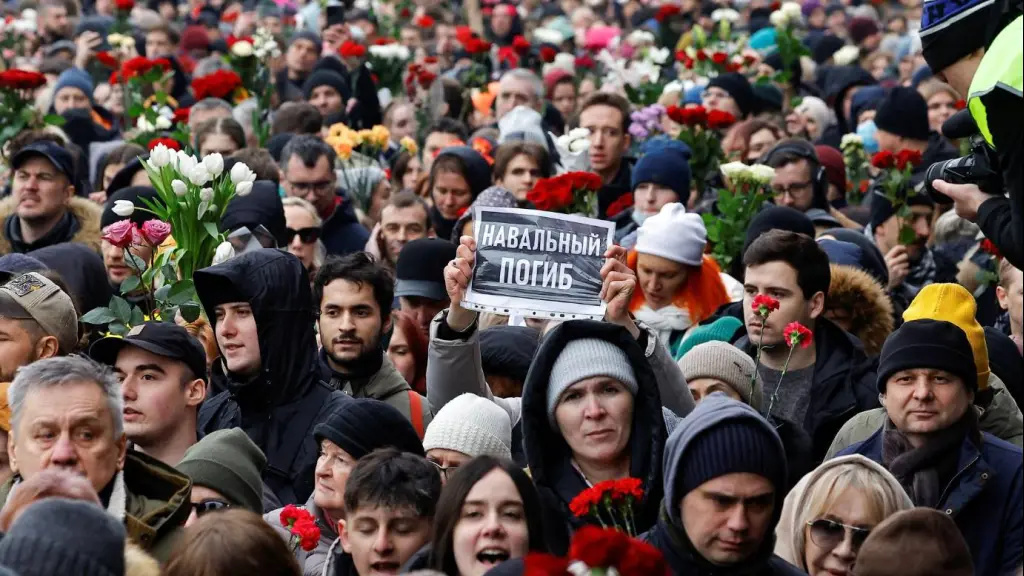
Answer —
519 87
66 413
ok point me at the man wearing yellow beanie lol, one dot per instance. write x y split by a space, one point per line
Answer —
929 373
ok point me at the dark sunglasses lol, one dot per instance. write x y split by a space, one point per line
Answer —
829 534
211 505
306 235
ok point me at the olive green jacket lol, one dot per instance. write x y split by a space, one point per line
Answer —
1001 419
156 503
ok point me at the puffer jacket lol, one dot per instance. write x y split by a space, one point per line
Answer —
280 406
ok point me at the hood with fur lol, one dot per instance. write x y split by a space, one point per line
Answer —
866 304
84 210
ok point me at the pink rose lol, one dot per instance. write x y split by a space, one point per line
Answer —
155 232
121 233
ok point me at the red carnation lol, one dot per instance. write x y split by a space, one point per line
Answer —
17 79
719 58
463 34
521 44
477 46
168 142
628 488
425 22
426 78
508 54
124 5
219 84
907 158
290 514
547 54
544 565
181 115
667 11
621 203
696 116
404 13
796 333
883 160
763 305
988 247
702 55
350 49
718 119
107 59
584 61
642 558
598 546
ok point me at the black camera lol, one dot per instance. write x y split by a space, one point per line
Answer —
980 167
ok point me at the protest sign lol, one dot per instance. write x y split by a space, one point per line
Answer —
538 264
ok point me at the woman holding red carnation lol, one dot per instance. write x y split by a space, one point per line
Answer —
679 286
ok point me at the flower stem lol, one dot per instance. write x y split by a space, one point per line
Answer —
782 376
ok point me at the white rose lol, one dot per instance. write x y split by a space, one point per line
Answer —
243 188
778 19
548 36
160 156
579 145
206 194
792 11
658 55
734 170
242 49
199 175
241 173
162 123
179 187
672 87
123 208
761 173
225 251
851 140
214 164
144 125
846 55
725 14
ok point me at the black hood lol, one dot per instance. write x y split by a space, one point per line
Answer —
262 206
275 284
838 82
82 270
939 149
548 455
872 260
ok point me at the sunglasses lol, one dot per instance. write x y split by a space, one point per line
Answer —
829 534
306 235
211 505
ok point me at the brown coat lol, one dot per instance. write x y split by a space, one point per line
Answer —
84 210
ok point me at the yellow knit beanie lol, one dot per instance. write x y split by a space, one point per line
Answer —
954 304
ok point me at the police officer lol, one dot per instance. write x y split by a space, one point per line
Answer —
976 46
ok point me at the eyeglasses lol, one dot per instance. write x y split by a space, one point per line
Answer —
315 187
445 471
792 189
829 534
306 235
205 506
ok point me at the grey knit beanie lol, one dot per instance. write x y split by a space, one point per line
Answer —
229 462
472 425
725 362
586 358
60 536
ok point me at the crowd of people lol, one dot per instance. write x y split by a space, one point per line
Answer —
824 380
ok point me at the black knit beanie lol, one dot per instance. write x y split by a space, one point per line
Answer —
324 78
734 446
60 536
777 218
904 112
932 344
739 88
363 425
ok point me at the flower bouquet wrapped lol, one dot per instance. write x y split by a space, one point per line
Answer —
573 149
388 63
192 197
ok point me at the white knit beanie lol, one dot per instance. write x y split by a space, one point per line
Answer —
673 234
471 425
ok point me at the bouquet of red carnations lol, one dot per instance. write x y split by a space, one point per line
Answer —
600 552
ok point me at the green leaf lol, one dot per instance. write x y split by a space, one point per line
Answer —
135 110
117 328
54 119
190 311
211 229
137 263
101 315
121 309
181 292
137 316
130 284
162 292
907 235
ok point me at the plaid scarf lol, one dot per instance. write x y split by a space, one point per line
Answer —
923 273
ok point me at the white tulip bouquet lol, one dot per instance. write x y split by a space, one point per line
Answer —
192 197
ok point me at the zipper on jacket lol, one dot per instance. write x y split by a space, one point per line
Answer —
957 477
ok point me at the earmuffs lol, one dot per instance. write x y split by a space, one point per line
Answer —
804 149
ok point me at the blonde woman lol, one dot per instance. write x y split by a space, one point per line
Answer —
303 227
831 511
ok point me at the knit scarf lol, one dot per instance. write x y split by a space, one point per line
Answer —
683 559
923 273
664 321
923 471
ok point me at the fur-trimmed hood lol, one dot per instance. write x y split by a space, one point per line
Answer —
84 210
865 302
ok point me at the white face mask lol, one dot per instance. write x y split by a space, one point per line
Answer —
639 217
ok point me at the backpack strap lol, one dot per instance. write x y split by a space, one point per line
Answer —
416 412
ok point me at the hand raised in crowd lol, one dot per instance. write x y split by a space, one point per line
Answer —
85 48
619 282
456 280
898 263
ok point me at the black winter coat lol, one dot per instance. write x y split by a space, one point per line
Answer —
280 406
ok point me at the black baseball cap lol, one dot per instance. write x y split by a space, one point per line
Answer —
420 268
58 156
160 338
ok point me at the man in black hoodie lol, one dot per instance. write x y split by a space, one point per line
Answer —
261 310
841 83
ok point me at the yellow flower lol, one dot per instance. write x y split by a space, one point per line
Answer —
409 145
381 136
366 137
338 130
343 149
